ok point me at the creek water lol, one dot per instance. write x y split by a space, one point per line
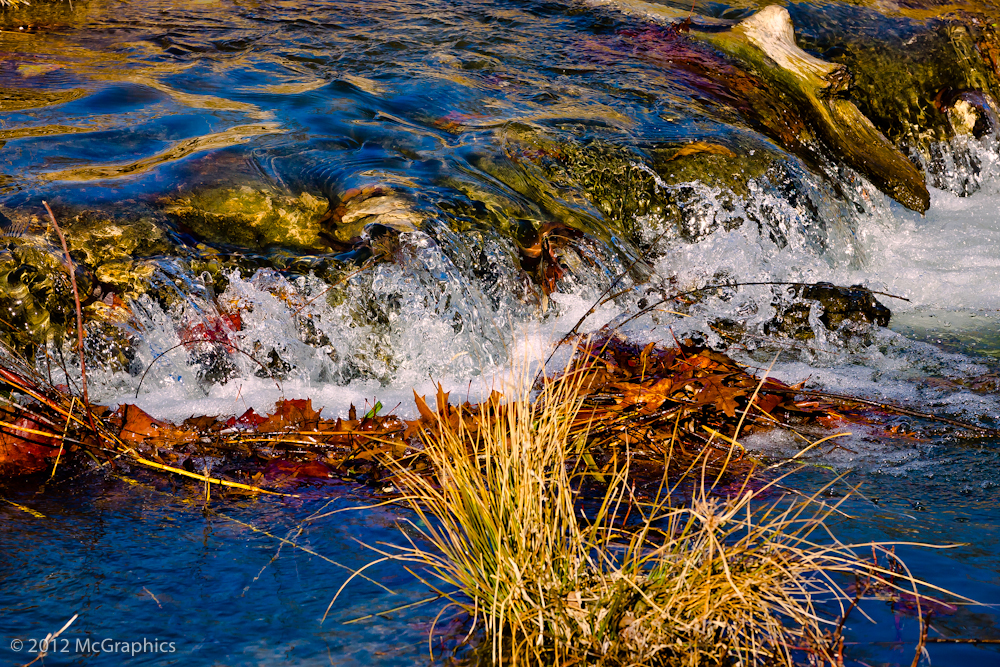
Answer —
481 127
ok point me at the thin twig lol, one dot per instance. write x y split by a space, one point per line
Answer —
960 640
62 441
45 643
601 300
889 407
79 318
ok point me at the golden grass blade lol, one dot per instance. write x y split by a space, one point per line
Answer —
23 508
385 612
62 440
207 479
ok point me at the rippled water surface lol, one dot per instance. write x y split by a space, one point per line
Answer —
463 180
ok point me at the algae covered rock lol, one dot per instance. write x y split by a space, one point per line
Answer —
114 259
96 238
128 278
119 251
252 218
924 86
662 181
675 190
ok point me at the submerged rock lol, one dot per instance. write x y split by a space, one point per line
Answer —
369 206
27 286
907 83
970 112
118 251
839 305
252 218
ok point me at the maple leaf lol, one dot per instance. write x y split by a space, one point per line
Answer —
651 396
442 400
726 396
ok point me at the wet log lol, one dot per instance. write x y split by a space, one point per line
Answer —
819 87
765 45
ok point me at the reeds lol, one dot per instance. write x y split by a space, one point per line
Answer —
503 534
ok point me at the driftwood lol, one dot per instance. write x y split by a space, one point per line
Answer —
819 87
765 45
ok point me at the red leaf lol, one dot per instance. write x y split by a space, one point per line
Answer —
767 402
248 419
215 330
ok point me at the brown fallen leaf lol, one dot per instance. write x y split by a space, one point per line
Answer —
25 446
136 427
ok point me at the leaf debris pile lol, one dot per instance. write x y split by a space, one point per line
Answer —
638 401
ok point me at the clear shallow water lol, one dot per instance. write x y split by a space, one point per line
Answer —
139 563
483 120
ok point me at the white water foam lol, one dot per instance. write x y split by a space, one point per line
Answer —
403 326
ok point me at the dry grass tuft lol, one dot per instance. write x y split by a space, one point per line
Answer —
709 580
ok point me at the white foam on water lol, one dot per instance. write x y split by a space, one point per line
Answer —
947 260
403 326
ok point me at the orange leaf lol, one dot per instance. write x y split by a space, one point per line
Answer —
423 408
291 413
442 400
24 451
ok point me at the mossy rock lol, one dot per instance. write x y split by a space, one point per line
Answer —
128 278
905 81
251 218
94 238
628 187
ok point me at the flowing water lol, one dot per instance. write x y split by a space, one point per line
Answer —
512 161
